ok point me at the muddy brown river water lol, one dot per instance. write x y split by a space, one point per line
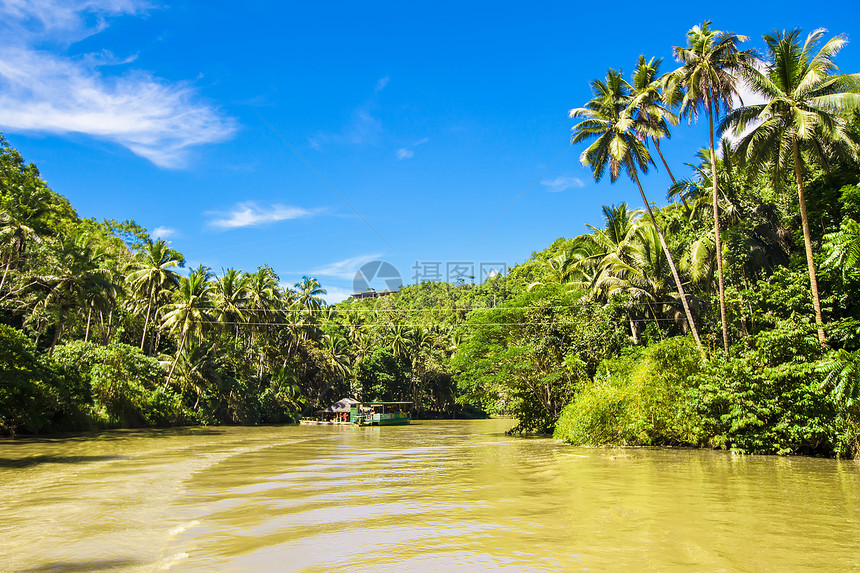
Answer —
433 496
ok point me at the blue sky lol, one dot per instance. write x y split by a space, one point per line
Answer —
416 124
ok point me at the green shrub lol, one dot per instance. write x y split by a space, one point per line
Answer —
124 386
29 400
769 399
641 398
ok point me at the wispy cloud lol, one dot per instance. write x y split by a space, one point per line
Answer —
64 20
409 152
251 214
335 295
346 268
362 127
163 232
562 183
50 92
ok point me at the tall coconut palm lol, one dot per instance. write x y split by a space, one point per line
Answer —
263 297
651 98
151 274
71 279
230 297
607 120
641 274
190 310
310 293
619 229
710 64
804 98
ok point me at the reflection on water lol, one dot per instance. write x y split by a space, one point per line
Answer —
433 496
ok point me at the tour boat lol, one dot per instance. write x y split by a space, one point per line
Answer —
380 413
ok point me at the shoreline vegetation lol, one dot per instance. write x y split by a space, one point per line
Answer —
728 318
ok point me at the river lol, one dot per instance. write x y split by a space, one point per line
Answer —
433 496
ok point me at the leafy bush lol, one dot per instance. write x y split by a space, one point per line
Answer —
641 398
29 400
124 385
769 399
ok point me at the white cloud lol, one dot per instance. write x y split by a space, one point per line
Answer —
344 269
250 214
47 92
163 232
409 152
68 20
380 85
746 96
562 183
335 295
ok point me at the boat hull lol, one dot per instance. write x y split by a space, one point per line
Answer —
388 422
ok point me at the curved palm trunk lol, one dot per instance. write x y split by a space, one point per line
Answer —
719 244
56 338
633 329
671 264
5 271
175 360
669 171
89 317
146 320
807 243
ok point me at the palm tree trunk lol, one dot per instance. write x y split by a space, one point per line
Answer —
671 264
669 171
175 360
5 270
719 245
807 243
89 316
633 329
146 321
57 331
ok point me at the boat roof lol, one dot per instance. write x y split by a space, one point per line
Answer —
382 403
340 406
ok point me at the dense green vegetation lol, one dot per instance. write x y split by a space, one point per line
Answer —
729 318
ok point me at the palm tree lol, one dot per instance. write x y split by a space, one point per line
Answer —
189 312
151 274
804 98
608 121
230 297
619 230
191 364
263 296
71 279
650 98
22 221
710 63
310 293
641 273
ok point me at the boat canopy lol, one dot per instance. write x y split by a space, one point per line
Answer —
341 406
